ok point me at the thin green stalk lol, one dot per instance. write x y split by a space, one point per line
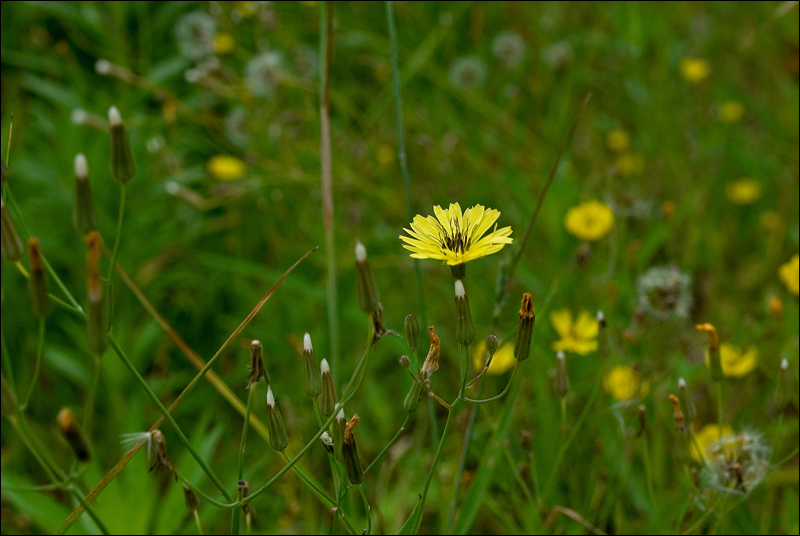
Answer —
719 407
777 437
203 494
197 522
183 439
79 497
115 251
700 453
421 505
525 489
90 398
236 515
648 471
386 448
502 394
237 511
309 482
37 365
367 509
563 414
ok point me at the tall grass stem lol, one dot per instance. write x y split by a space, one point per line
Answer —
37 365
115 252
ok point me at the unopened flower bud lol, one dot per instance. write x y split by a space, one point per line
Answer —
404 361
71 431
327 398
432 360
411 402
312 372
160 460
277 431
465 332
10 243
84 215
97 335
5 171
123 168
713 350
412 332
783 396
601 319
522 347
327 441
682 434
256 368
190 498
562 379
491 345
339 424
685 398
366 289
9 401
350 458
40 302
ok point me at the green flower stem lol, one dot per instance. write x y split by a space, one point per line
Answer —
309 482
79 497
335 475
563 415
90 398
244 429
777 437
522 484
719 407
197 522
181 436
37 365
235 516
648 472
8 368
501 395
367 509
203 494
386 448
115 251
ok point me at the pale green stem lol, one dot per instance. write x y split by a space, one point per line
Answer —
367 509
197 522
777 437
36 366
237 511
648 470
114 252
433 469
502 394
522 484
563 415
386 448
90 399
719 407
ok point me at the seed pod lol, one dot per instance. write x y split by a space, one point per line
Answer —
97 336
256 368
350 458
522 346
465 332
327 399
40 302
313 377
123 168
9 401
366 289
10 243
68 425
84 215
277 431
713 350
190 498
338 434
411 403
689 410
412 332
562 380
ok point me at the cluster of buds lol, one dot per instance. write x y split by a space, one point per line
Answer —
71 431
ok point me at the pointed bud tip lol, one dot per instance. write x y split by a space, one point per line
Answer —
81 167
114 118
460 292
560 354
255 344
307 343
784 364
324 367
270 398
361 251
681 383
340 416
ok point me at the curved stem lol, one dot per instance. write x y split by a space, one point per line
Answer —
433 469
386 448
197 522
115 251
36 366
203 494
367 509
501 395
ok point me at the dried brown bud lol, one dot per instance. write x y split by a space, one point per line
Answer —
677 414
97 335
432 361
522 347
191 499
159 459
71 431
351 460
40 302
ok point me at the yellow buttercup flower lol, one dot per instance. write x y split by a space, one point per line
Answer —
694 70
730 112
225 167
589 221
790 274
579 337
736 363
743 191
618 141
623 383
502 362
704 437
224 43
455 238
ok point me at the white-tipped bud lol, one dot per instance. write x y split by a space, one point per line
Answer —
78 116
460 292
270 398
102 66
784 364
327 397
81 167
114 118
324 367
307 343
681 383
361 251
601 318
465 331
340 415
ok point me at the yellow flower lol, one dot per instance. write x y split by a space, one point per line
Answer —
579 337
224 43
589 221
455 238
502 362
629 164
385 155
618 141
623 383
743 191
225 167
790 274
694 70
707 435
736 363
730 112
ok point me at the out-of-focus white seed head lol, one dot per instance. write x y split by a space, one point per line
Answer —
681 383
102 66
784 364
81 167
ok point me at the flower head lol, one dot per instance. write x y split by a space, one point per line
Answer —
226 168
736 363
579 337
730 112
707 435
694 70
589 221
623 383
509 47
790 274
665 291
263 73
455 238
502 362
743 191
467 73
618 141
195 34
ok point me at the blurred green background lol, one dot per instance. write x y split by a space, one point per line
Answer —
687 99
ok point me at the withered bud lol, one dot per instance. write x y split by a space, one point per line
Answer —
256 368
40 302
432 361
465 331
190 498
525 438
713 350
713 338
677 414
366 289
71 431
522 347
10 243
404 361
123 168
641 412
159 459
244 488
312 372
96 333
351 460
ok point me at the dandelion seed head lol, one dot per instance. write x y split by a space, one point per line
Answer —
263 73
665 292
467 73
509 48
195 33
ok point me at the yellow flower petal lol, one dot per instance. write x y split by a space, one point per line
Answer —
589 221
743 191
562 322
707 435
622 382
502 362
736 364
790 274
586 326
226 167
694 70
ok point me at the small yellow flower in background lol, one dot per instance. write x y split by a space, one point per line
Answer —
730 112
736 363
502 362
623 383
224 43
629 164
225 167
579 337
618 141
385 155
790 274
247 8
743 191
589 221
707 435
694 70
455 238
770 220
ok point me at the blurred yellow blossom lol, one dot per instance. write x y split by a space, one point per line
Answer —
623 383
225 167
707 435
790 274
618 141
743 191
770 220
502 362
579 337
385 155
224 43
736 363
589 221
730 112
694 70
629 164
